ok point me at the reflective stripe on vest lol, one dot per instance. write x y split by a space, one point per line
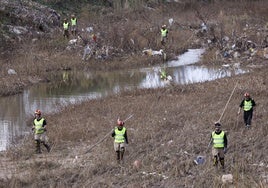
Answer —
247 105
164 32
65 26
119 135
73 21
218 141
39 129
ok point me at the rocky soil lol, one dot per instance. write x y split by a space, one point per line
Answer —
170 126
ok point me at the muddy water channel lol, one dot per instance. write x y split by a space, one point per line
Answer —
75 87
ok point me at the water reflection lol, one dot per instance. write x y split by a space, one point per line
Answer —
194 74
75 87
12 120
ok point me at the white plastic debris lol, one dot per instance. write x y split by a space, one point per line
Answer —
72 42
151 52
170 21
11 71
169 78
87 52
89 29
227 178
237 55
226 65
204 27
160 52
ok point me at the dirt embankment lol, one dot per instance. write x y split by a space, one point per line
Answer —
33 44
170 126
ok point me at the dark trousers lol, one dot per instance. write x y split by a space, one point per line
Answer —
66 33
247 117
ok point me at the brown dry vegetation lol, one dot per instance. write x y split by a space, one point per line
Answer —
167 122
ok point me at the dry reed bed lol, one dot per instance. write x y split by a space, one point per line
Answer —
35 60
167 123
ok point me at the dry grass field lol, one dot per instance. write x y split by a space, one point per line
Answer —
170 126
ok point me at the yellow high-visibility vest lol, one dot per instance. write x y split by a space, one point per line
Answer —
73 21
164 32
65 25
38 125
247 105
119 135
218 141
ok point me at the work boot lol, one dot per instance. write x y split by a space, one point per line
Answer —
48 147
122 155
118 156
222 163
215 161
38 148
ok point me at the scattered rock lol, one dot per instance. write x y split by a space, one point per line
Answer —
199 160
11 72
137 164
227 178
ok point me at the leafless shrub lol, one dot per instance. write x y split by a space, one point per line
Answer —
170 126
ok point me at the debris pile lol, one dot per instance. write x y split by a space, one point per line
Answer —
239 46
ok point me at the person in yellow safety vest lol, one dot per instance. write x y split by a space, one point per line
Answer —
73 25
39 128
163 74
247 104
219 145
65 28
120 140
164 34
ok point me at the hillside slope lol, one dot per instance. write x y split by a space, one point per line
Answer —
170 127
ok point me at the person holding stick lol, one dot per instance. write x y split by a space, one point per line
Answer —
73 25
247 104
39 128
109 133
164 34
120 140
219 142
66 28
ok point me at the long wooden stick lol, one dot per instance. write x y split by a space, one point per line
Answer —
222 115
228 102
99 141
106 135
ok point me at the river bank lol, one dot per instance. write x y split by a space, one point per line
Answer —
166 123
169 128
26 62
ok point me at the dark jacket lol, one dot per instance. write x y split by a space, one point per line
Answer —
252 101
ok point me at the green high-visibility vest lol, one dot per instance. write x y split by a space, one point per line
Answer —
38 125
73 21
119 135
247 105
65 25
218 139
164 32
163 75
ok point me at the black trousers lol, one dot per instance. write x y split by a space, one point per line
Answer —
248 117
